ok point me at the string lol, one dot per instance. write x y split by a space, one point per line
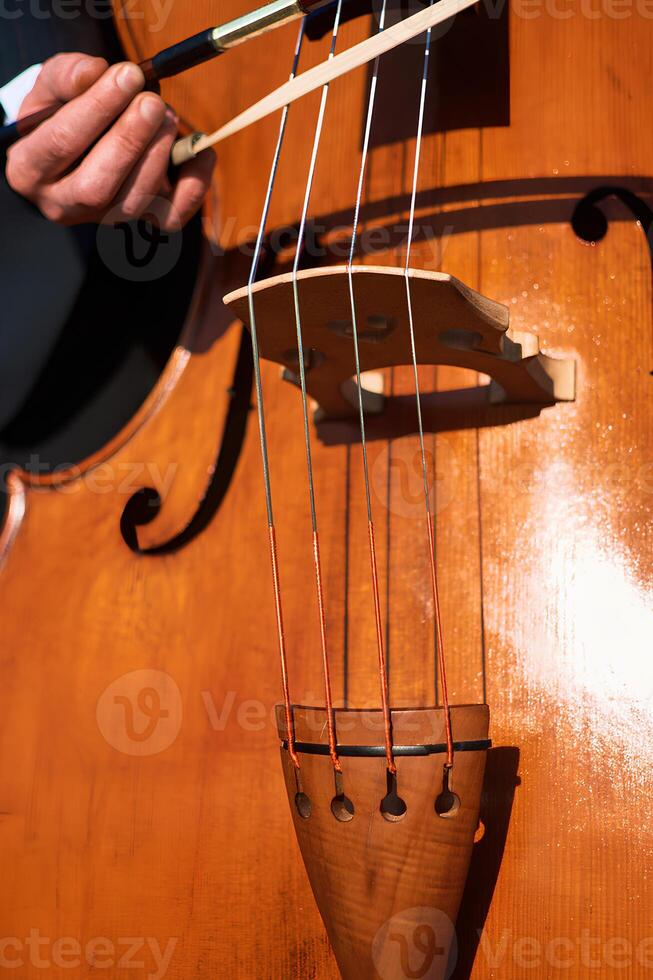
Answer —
383 673
314 78
331 728
427 497
290 725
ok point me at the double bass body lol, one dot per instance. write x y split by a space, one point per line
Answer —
140 787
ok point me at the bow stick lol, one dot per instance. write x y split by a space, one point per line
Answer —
314 78
186 54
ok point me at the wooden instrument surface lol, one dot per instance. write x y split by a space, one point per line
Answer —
121 820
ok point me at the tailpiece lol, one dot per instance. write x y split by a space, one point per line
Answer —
387 857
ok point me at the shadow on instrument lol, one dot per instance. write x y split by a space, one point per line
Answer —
499 785
442 411
484 206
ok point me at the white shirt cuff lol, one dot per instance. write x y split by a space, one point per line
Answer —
13 93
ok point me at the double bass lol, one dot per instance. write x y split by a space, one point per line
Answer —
334 661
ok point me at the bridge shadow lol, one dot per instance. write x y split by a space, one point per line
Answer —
442 411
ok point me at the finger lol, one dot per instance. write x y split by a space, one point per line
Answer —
61 79
148 178
58 143
189 191
91 188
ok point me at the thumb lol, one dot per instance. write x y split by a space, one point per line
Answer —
61 79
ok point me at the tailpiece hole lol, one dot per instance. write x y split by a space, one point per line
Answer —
342 808
448 803
393 807
304 805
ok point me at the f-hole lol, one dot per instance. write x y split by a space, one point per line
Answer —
591 224
142 507
233 436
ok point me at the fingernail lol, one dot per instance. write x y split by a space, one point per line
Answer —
81 69
150 108
171 116
130 79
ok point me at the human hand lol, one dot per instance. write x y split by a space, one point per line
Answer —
105 151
